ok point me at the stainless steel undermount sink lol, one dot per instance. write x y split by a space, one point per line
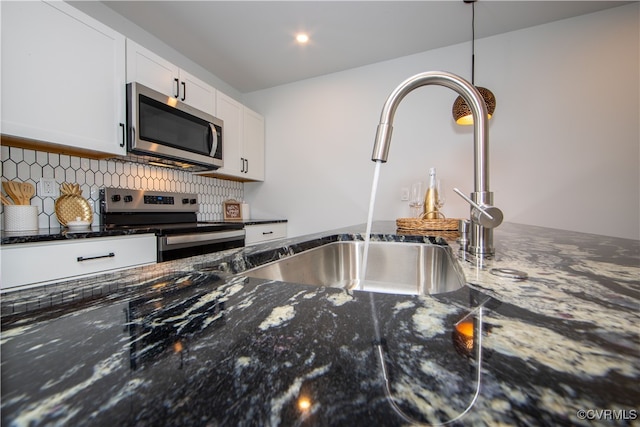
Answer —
393 267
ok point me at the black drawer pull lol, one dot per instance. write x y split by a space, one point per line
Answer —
267 232
109 255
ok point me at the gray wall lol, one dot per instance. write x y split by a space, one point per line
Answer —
564 140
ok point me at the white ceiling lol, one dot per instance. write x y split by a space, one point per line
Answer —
250 44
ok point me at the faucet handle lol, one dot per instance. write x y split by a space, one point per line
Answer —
485 215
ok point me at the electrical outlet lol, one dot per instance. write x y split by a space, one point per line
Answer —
48 187
404 196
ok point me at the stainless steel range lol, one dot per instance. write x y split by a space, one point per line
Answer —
173 217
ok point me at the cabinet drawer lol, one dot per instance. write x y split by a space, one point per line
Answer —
28 264
264 232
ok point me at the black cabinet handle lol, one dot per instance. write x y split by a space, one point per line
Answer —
184 91
264 233
242 168
246 170
109 255
124 134
177 88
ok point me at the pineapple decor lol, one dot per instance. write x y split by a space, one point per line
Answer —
71 206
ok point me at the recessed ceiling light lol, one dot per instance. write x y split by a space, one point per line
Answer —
302 38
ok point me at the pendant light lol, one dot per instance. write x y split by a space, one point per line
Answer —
461 111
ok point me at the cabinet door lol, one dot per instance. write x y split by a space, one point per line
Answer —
63 77
253 145
151 70
62 260
155 72
197 93
243 141
230 111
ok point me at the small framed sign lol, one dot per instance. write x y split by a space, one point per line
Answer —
232 210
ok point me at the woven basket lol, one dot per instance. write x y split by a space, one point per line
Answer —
417 224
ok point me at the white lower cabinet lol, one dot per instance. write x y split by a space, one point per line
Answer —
30 264
260 233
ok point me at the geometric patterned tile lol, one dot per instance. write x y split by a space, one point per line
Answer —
29 165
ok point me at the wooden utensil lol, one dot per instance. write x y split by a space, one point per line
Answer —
13 190
28 191
5 201
20 192
17 189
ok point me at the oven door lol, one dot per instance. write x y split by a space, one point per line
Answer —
176 246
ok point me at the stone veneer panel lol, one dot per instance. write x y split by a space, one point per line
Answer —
29 166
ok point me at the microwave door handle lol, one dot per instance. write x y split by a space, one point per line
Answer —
213 140
132 141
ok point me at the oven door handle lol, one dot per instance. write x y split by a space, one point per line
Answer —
203 238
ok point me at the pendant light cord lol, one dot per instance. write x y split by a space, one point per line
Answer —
473 42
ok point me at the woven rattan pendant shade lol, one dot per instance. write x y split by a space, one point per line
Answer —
460 110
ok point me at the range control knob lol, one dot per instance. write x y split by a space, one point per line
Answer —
185 201
128 199
115 198
193 201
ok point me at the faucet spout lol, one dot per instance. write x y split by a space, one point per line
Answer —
468 92
482 236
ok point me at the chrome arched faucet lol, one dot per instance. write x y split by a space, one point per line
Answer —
484 216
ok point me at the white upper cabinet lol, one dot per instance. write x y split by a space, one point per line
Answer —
253 145
153 71
230 112
63 77
243 137
197 93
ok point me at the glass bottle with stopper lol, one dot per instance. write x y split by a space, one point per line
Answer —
431 202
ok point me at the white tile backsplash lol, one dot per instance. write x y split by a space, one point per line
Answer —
29 166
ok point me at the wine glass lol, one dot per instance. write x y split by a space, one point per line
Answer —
442 197
417 199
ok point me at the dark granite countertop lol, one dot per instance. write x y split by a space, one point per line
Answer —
56 234
196 342
53 234
257 221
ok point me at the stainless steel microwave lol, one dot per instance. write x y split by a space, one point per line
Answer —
163 128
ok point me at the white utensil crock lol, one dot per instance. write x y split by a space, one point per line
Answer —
20 218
